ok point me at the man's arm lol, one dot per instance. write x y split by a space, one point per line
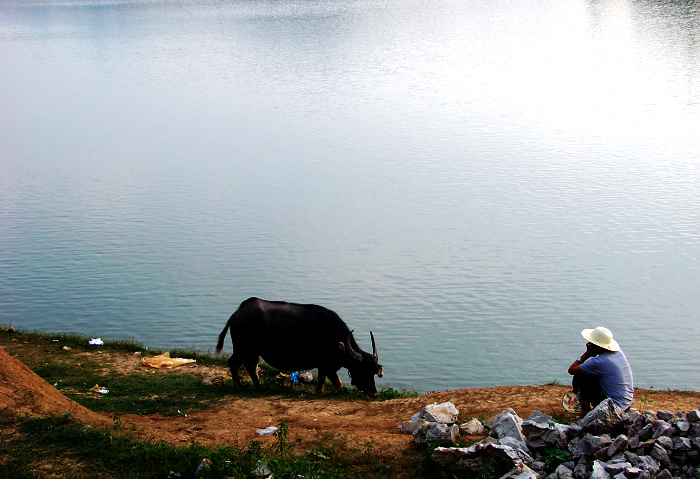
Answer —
575 367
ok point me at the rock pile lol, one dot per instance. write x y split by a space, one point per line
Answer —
435 423
606 444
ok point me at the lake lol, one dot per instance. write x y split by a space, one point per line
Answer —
475 181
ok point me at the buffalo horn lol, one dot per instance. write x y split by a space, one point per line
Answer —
374 347
353 354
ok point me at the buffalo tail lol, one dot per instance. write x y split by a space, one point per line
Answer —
222 336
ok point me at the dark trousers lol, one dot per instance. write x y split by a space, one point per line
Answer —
588 389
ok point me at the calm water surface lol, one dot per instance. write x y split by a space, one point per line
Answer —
474 181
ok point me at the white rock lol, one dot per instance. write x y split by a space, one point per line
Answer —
472 427
599 471
437 433
410 427
445 413
520 471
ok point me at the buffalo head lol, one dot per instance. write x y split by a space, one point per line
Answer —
362 366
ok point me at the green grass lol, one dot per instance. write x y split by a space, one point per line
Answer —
75 373
168 394
80 343
59 446
66 447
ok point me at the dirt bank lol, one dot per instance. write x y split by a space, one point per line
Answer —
358 422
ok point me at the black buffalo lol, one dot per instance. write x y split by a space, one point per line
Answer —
294 337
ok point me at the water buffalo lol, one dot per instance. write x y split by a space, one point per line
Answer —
294 337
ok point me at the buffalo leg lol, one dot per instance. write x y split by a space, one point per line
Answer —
335 380
234 363
321 382
251 365
332 376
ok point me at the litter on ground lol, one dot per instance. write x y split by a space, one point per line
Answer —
165 361
99 389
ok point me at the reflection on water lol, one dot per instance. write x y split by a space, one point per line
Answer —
474 181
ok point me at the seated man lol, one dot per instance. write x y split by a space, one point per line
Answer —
602 372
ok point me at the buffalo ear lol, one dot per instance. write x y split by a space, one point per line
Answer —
341 346
380 371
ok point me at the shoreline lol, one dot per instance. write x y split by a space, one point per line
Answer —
133 346
367 428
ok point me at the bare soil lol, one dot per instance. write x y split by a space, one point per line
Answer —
356 422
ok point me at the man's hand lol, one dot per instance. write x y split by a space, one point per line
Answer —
591 351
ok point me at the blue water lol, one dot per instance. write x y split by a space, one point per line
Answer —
474 181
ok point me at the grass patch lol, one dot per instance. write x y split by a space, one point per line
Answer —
66 361
59 446
167 394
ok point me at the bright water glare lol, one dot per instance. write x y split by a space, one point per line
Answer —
474 181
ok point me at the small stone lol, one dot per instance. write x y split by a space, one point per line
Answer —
662 429
660 454
563 472
203 467
581 469
588 445
647 445
472 427
664 415
633 442
694 430
543 434
618 458
631 457
605 417
646 432
446 456
665 442
635 422
573 431
436 432
472 459
520 471
648 463
599 471
618 445
262 470
601 455
616 468
214 381
681 444
445 413
508 424
664 475
693 416
540 417
514 443
682 427
410 427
